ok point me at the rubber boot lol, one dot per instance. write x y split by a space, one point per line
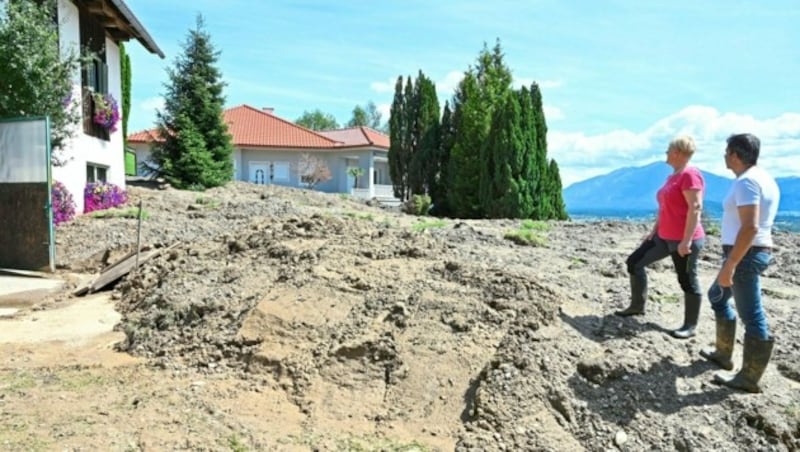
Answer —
757 353
638 295
721 354
691 312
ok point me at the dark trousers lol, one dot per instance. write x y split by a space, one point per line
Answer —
654 250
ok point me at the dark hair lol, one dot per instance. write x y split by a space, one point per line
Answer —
746 146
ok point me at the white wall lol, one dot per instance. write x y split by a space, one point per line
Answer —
85 149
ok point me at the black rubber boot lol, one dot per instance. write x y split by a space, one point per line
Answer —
726 333
757 353
691 312
638 296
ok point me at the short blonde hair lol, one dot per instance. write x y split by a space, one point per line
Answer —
684 144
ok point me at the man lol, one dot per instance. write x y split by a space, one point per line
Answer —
749 211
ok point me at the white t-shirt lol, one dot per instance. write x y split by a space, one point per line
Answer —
752 187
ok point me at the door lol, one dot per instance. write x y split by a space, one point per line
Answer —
27 239
259 173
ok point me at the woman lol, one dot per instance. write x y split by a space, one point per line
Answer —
677 233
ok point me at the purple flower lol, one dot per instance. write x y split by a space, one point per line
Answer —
101 196
63 205
106 111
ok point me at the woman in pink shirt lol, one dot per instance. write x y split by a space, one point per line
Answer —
677 233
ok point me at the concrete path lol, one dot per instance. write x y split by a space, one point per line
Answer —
17 292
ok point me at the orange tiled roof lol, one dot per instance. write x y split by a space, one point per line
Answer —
358 136
145 136
251 126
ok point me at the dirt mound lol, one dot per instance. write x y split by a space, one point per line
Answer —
447 333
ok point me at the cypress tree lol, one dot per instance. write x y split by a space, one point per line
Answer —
502 155
478 95
425 136
125 74
410 145
397 136
471 128
529 176
543 189
439 175
196 151
558 207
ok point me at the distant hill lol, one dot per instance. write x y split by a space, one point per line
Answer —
633 189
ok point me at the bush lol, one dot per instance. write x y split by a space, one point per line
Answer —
418 205
63 204
101 196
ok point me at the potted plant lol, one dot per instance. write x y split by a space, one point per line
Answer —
106 111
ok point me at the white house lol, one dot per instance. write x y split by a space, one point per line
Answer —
268 149
98 25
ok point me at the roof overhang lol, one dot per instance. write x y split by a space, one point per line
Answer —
120 23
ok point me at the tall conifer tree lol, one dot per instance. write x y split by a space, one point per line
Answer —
480 92
425 133
125 73
196 151
398 158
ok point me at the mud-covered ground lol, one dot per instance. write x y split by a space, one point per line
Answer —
293 320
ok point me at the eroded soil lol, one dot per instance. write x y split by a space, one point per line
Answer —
294 320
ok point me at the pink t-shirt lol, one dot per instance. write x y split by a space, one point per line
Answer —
672 206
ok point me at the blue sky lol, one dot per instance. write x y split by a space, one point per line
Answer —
619 77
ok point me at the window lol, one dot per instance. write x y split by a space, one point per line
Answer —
280 171
94 74
96 173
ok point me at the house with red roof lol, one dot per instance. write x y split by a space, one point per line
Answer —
268 149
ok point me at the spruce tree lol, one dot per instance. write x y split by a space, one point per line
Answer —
196 151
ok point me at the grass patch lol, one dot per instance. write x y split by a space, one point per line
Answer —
360 215
378 444
531 225
130 212
428 224
577 262
526 237
82 381
236 444
670 298
16 381
344 196
793 411
208 202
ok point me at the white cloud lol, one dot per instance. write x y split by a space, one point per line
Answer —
151 104
383 87
447 85
385 110
580 156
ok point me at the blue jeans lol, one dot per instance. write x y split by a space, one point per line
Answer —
746 292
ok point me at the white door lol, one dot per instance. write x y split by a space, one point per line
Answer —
259 173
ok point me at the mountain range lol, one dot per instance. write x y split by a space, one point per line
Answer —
633 190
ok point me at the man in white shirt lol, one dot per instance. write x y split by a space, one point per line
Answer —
749 211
